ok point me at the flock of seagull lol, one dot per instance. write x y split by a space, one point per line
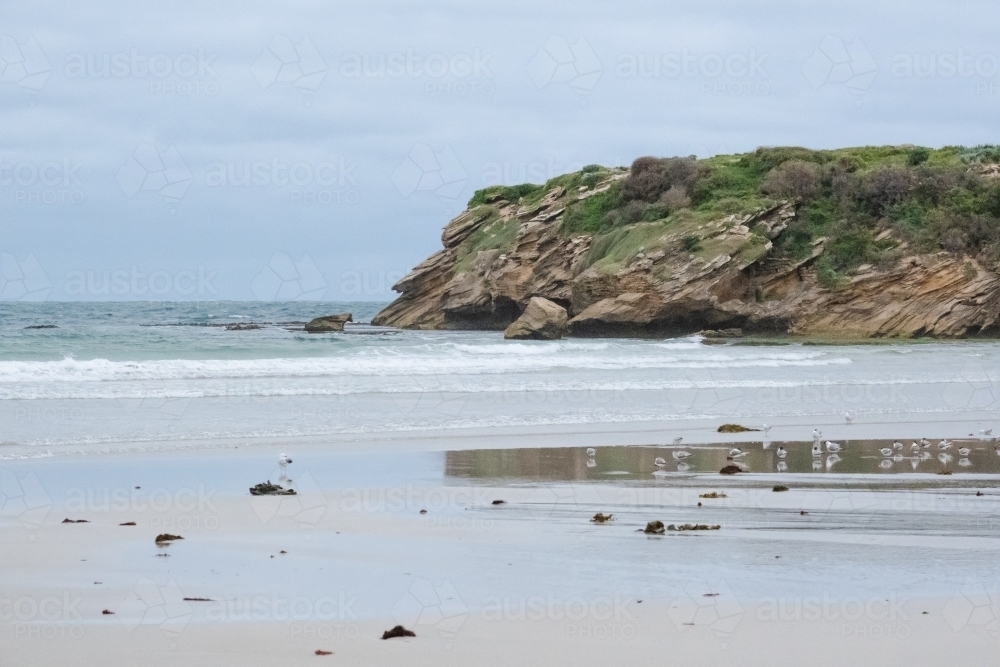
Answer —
917 449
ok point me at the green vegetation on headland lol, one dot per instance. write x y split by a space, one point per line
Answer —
871 204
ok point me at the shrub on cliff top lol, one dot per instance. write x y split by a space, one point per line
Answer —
650 177
795 179
509 192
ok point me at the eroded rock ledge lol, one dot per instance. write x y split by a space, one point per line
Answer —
661 288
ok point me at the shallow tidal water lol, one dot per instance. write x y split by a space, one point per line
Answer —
113 377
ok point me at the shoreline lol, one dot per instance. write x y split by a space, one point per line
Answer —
951 425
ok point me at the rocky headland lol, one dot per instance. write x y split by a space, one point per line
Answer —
883 242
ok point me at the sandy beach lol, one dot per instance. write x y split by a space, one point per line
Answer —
867 568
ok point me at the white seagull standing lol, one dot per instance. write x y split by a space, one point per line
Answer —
849 416
781 452
283 462
677 440
817 434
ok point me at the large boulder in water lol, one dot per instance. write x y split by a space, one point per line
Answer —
541 320
329 323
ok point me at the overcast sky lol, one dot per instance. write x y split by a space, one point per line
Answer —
234 150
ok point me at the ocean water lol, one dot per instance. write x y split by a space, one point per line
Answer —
141 376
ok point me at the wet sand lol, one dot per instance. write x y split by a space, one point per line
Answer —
838 569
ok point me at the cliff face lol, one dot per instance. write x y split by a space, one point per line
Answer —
653 279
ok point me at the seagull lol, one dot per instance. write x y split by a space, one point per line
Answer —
677 440
915 448
737 453
988 431
659 462
925 443
591 451
765 428
849 416
944 444
885 451
964 451
782 452
681 455
832 446
817 449
817 434
897 445
283 462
